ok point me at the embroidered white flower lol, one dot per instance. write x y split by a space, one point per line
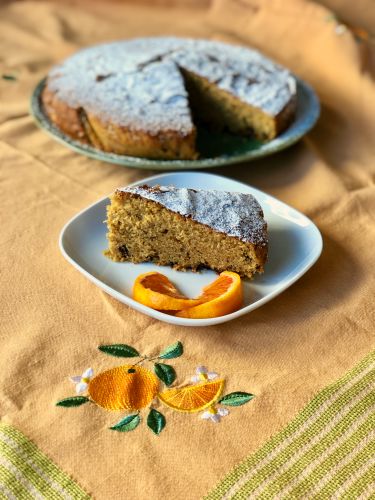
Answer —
214 414
82 381
203 374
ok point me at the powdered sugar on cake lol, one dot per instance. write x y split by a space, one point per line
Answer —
138 83
235 214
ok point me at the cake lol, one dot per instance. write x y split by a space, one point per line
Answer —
143 97
187 229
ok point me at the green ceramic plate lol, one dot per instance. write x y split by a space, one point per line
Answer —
216 149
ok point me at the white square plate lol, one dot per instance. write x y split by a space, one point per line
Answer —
295 244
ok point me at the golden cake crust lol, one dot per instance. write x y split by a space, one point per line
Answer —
90 129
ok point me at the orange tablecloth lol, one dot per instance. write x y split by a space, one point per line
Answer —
53 319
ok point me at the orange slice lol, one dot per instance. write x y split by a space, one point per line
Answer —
221 297
155 290
193 398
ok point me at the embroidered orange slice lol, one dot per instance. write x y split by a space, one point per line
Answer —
221 297
126 387
193 398
155 290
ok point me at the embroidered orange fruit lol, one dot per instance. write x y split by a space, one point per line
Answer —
126 387
193 398
155 290
223 296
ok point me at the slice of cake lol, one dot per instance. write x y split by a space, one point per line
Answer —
121 109
187 229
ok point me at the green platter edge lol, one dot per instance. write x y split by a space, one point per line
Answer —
216 148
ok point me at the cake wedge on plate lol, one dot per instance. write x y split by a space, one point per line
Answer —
187 229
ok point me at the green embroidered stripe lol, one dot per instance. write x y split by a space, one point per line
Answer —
310 456
345 475
361 484
34 483
12 483
278 442
26 473
281 480
319 477
298 445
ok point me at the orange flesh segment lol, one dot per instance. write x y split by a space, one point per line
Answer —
221 297
155 290
193 398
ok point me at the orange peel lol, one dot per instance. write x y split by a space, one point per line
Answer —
221 297
155 290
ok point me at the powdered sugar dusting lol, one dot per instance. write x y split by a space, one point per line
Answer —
138 84
235 214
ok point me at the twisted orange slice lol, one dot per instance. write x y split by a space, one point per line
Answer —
126 387
193 398
155 290
221 297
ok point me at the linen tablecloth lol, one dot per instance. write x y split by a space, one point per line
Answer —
313 438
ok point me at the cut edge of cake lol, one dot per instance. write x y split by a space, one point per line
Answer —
222 110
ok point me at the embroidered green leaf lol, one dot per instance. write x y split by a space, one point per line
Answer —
127 424
166 373
236 398
73 401
156 421
9 77
172 351
119 350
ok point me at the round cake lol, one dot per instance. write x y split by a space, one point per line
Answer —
142 97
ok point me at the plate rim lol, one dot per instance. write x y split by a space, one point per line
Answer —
173 319
269 148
